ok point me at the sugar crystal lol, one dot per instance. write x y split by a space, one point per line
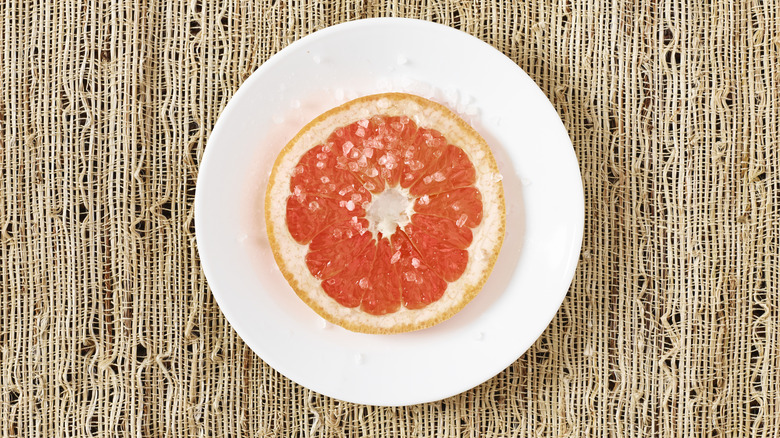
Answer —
346 147
416 165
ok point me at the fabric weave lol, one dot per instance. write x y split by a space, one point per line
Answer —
670 328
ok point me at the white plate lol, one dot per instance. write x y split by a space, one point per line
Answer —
542 184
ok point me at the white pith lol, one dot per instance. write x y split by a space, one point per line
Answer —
390 209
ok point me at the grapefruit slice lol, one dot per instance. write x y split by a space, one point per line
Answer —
386 214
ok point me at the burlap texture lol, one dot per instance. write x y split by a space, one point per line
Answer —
107 325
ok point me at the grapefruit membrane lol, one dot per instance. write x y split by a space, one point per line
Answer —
386 214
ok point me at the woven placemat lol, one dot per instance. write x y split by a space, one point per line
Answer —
107 325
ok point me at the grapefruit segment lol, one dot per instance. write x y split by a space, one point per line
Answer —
442 229
451 170
446 260
374 208
423 150
329 261
420 286
395 133
337 232
355 157
316 173
308 215
370 149
346 289
382 287
463 205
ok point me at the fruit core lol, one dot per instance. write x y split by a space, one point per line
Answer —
389 210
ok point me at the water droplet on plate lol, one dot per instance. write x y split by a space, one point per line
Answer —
359 358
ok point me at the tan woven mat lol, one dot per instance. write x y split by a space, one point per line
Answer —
107 325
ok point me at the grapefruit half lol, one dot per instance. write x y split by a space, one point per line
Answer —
386 214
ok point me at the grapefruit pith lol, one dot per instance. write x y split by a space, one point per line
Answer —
386 214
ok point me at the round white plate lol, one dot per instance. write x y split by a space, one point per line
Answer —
545 210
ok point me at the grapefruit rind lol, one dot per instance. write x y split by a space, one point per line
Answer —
488 236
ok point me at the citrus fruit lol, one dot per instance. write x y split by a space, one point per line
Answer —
386 214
